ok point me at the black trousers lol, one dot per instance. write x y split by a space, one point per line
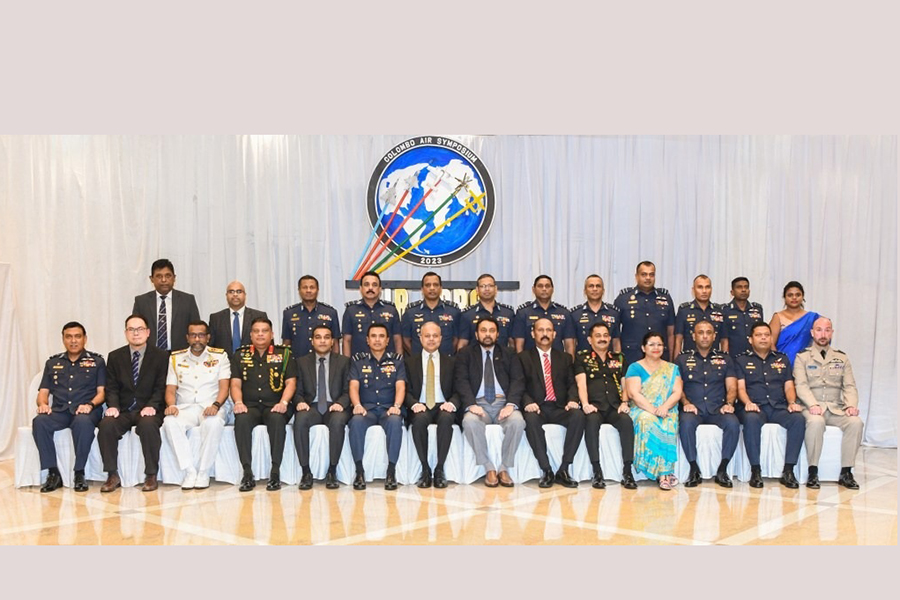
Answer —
258 414
111 430
44 426
623 424
572 420
334 420
418 424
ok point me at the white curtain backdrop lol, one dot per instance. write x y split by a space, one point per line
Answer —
83 217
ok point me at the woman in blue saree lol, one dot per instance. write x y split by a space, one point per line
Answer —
791 327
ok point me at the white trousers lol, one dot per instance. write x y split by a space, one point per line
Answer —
211 428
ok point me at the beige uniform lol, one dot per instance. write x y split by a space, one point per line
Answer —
827 382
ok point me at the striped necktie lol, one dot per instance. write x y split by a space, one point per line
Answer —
162 338
548 380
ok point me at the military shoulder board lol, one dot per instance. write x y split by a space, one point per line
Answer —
683 305
627 290
523 305
577 307
662 291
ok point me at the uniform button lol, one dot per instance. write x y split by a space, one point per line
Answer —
70 389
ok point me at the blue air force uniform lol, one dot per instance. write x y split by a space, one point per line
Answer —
531 311
298 323
71 384
583 318
688 315
764 379
503 314
738 324
704 387
640 312
377 386
358 316
446 314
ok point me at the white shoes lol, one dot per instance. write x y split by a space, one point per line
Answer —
202 481
190 479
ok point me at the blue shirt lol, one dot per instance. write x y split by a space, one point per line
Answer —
298 324
531 311
503 314
445 314
377 378
73 383
738 323
764 378
704 379
640 312
358 316
583 318
688 315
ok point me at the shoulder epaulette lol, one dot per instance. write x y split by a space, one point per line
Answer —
393 355
388 302
360 355
182 351
450 303
293 306
721 306
468 308
803 351
839 351
326 305
215 350
506 306
523 305
95 354
748 352
628 290
684 305
609 306
584 352
53 356
662 291
577 307
357 301
415 304
756 304
557 305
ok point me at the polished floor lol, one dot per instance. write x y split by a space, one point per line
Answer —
462 514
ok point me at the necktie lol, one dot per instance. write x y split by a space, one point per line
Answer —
135 369
490 393
322 388
162 339
548 381
823 354
429 383
235 332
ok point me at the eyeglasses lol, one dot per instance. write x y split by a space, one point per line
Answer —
136 329
235 292
195 336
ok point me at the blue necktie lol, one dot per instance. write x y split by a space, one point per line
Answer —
490 393
235 333
162 339
322 389
135 368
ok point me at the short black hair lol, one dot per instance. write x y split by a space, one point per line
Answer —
137 316
160 264
485 276
738 280
539 277
488 319
377 326
322 326
432 274
759 324
300 281
643 263
599 324
702 322
702 276
261 320
199 323
370 274
73 325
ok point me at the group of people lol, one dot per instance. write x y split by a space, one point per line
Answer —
651 372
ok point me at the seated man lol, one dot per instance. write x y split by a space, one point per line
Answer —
135 385
543 384
430 399
377 392
827 389
322 398
263 381
598 377
710 390
482 382
196 389
75 378
766 392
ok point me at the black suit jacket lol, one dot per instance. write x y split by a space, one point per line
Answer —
338 379
470 371
528 378
151 385
184 310
220 328
416 379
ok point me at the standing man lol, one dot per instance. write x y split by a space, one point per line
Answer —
370 308
827 389
166 310
322 398
482 383
196 390
430 398
766 392
300 319
263 382
377 393
594 310
740 314
543 384
75 379
598 377
691 313
645 308
230 327
135 386
709 394
430 309
487 306
543 307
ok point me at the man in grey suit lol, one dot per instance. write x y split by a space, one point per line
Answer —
229 328
322 398
166 310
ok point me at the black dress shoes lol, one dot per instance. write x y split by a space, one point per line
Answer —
359 482
562 478
694 479
306 481
390 482
597 482
330 481
812 482
846 480
80 484
788 480
628 481
247 482
54 482
756 479
274 483
723 479
424 480
546 479
440 481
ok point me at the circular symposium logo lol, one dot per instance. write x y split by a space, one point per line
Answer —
432 200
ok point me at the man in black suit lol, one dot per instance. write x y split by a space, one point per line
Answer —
483 384
430 399
166 310
556 403
135 394
229 328
322 397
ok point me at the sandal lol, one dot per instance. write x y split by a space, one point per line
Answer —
664 483
673 481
